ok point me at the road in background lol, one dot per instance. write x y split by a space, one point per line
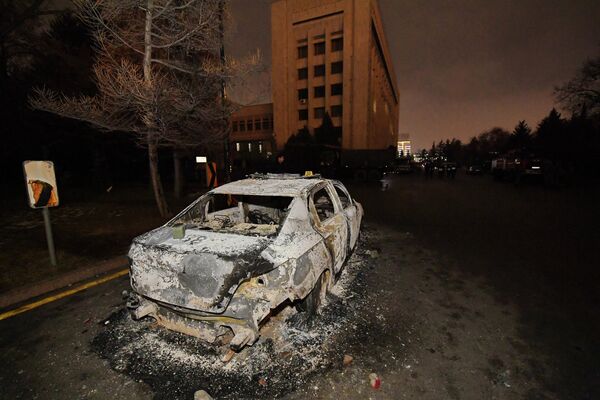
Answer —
536 248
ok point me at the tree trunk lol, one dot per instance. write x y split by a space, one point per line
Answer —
159 194
148 43
178 174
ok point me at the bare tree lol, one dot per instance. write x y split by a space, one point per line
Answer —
582 92
159 75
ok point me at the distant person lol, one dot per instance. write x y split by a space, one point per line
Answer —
237 171
280 166
428 170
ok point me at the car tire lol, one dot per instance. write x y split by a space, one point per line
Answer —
312 302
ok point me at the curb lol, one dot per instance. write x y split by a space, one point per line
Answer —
20 294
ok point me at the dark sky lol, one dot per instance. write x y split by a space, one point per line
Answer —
462 66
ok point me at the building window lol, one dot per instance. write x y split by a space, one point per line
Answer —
319 70
234 126
337 44
302 74
260 148
302 115
249 147
319 112
337 67
302 94
319 91
337 89
237 146
302 51
242 126
319 48
336 111
249 125
257 124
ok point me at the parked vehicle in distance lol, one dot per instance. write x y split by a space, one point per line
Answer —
242 250
450 168
533 167
474 169
402 166
515 167
445 169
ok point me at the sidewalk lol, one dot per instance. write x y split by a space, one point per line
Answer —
23 293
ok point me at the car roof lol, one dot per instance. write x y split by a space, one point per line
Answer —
271 186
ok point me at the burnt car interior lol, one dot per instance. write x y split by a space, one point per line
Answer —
240 214
323 204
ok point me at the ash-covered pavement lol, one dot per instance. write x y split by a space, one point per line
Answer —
288 355
458 290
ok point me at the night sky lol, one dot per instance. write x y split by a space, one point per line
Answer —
462 66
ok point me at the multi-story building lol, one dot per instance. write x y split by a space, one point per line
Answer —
328 56
252 132
404 149
331 56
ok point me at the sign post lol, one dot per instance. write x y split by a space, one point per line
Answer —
42 192
49 237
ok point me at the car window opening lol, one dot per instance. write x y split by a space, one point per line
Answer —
323 205
238 214
344 199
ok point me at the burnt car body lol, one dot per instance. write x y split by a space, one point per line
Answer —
240 251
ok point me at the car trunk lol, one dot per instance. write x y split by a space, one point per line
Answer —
199 272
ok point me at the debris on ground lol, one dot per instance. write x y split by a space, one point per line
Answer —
262 382
374 380
228 356
347 360
372 253
202 395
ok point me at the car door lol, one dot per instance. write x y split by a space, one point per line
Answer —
351 211
330 222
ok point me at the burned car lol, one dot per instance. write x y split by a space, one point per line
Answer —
242 250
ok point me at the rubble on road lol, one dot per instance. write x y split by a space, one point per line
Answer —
347 360
374 380
202 395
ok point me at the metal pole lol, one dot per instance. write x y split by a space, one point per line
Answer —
49 237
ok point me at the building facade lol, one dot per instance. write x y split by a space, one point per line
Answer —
252 132
331 56
404 149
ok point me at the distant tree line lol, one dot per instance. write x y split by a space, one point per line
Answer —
570 143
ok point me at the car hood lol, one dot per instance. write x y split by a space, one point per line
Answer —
200 272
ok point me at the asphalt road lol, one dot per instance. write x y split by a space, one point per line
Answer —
478 290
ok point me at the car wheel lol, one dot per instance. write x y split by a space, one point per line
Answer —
311 303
